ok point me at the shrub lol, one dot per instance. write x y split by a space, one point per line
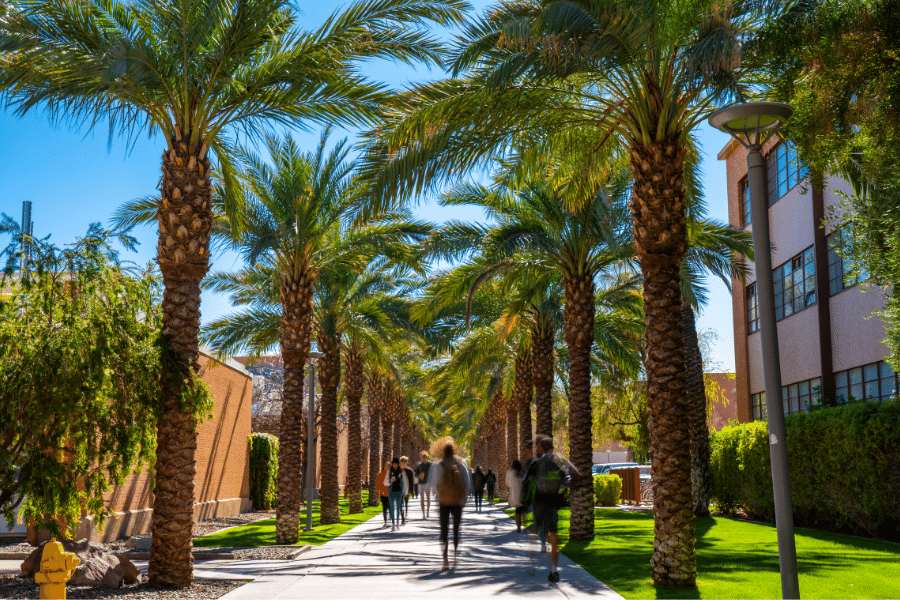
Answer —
263 470
607 489
844 468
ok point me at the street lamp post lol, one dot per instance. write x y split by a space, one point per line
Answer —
752 125
310 438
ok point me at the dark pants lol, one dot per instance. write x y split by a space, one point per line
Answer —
444 515
385 506
405 507
479 498
490 493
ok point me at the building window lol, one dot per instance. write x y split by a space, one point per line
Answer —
876 381
840 277
798 397
784 170
795 284
744 190
752 309
758 401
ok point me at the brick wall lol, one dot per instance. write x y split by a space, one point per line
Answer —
222 482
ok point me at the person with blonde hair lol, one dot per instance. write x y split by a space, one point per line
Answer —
450 479
382 488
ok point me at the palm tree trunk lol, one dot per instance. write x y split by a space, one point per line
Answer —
329 381
658 217
512 432
523 370
578 315
500 434
542 372
296 323
387 422
353 394
696 394
397 443
374 436
185 221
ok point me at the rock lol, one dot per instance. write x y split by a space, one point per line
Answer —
99 567
139 542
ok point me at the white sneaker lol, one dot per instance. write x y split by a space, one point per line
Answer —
393 528
543 547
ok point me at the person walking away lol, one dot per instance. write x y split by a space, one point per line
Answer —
410 483
422 480
551 474
450 478
514 485
383 490
490 481
528 484
396 482
478 481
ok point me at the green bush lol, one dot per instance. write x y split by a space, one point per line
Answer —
844 468
263 470
607 489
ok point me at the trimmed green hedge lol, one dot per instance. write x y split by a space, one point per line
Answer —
844 468
263 470
607 489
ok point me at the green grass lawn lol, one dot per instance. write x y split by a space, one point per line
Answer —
262 533
735 559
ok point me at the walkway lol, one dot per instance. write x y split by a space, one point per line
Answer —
371 561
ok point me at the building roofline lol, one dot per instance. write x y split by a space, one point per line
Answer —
726 151
228 362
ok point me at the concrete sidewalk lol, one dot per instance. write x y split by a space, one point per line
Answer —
370 561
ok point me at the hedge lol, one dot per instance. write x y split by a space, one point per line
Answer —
263 470
607 489
844 469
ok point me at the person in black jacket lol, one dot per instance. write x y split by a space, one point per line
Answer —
478 482
410 482
490 481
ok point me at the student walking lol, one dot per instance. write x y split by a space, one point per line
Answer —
382 488
396 482
490 481
451 480
551 474
410 482
478 481
514 485
422 481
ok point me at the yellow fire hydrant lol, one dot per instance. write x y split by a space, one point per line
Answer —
56 569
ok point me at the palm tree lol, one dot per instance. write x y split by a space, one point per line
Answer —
298 225
190 72
595 84
537 236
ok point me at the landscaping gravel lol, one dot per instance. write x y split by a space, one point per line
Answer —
214 525
15 586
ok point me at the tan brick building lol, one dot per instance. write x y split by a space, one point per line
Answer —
222 481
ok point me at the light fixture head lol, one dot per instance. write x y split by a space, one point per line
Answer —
753 123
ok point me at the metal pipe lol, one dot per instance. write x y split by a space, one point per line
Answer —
765 292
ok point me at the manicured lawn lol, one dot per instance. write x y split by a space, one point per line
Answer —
735 559
262 533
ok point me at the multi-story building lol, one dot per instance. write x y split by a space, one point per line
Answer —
830 347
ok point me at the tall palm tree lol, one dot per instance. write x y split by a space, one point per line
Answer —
536 235
592 82
298 224
190 72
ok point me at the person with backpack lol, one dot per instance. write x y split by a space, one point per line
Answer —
478 481
422 481
450 478
551 474
396 482
490 481
514 485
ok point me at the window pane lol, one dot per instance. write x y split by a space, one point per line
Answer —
840 379
756 412
857 391
886 369
870 372
841 394
872 389
888 387
804 388
855 375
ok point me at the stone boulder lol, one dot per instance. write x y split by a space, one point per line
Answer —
99 566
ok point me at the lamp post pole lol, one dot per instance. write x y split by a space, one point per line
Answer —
311 440
752 125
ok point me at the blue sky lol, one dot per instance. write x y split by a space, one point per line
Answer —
73 178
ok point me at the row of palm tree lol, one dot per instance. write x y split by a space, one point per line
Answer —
565 94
